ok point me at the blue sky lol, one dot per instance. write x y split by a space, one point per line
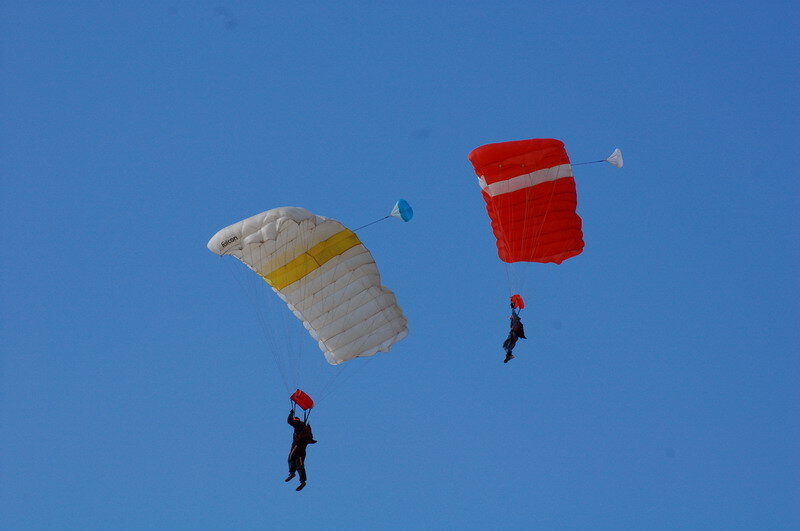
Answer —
658 386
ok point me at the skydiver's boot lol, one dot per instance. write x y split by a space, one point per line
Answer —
291 475
300 486
509 356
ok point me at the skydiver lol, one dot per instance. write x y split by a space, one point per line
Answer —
517 331
297 455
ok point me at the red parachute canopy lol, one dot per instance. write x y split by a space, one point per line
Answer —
530 196
302 400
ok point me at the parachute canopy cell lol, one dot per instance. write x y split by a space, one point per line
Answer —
402 210
324 274
531 199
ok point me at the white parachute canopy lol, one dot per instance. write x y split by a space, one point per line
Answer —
615 159
324 274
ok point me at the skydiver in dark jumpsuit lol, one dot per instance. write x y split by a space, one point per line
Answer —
517 331
297 455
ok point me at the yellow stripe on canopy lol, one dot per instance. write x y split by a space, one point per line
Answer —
311 259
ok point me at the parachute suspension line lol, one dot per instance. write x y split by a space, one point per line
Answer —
280 342
286 341
346 372
372 222
522 281
259 297
591 162
344 368
347 369
302 354
508 268
537 238
517 275
514 273
299 350
282 339
330 390
251 290
336 298
327 388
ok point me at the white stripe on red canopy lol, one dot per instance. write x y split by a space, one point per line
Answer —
527 180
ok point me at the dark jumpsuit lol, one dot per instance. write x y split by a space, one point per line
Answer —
516 332
297 455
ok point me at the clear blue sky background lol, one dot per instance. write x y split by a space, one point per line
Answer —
659 384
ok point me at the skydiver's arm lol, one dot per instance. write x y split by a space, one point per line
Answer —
296 424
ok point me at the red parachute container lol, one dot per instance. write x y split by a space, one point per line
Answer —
531 199
302 400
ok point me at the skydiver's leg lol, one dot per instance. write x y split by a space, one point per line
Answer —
301 468
509 345
510 342
292 464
